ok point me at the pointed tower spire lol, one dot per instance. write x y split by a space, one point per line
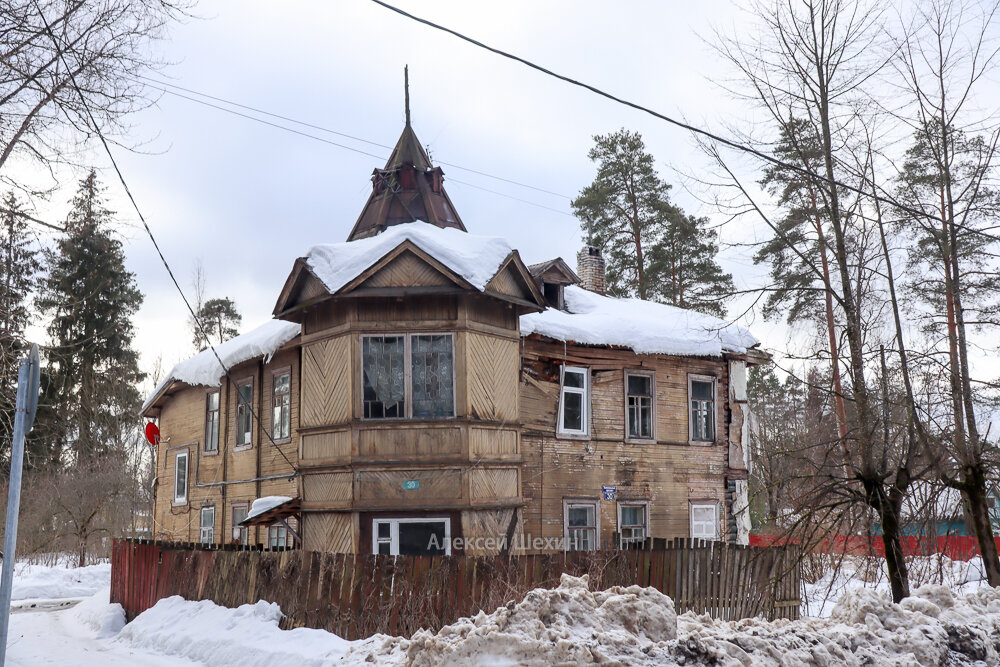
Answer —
408 188
406 92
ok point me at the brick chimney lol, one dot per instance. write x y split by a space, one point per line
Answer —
590 268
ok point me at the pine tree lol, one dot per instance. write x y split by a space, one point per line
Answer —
93 371
220 321
652 249
19 267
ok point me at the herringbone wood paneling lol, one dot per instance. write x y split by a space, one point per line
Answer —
326 382
332 531
407 270
483 531
385 487
410 442
328 488
493 366
507 282
492 483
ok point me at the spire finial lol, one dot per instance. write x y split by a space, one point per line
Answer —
406 92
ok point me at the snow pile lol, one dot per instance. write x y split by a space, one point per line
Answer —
44 582
932 627
247 636
204 368
475 258
644 326
567 625
261 505
98 615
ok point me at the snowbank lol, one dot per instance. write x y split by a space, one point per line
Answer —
475 258
98 615
566 625
247 636
643 326
261 505
204 368
45 582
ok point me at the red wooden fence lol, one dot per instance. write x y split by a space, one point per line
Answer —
956 547
355 596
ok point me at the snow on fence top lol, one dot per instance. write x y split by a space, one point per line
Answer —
265 504
475 258
204 368
644 326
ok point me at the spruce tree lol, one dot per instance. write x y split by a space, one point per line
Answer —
220 321
652 249
93 370
19 267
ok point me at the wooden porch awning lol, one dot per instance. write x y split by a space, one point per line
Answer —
287 509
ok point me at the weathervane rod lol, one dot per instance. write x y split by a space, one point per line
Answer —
406 92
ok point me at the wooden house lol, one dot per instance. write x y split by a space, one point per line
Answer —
422 390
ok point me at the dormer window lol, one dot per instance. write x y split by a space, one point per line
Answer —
554 295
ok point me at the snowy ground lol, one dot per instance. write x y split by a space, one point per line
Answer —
953 624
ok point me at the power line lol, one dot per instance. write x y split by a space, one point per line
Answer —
100 135
160 85
687 126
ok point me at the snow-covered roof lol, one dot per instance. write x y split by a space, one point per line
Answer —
204 369
265 504
475 258
644 326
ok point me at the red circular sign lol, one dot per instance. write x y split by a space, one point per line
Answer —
152 434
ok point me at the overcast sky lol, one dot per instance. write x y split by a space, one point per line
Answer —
246 199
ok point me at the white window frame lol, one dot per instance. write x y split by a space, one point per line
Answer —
715 408
240 533
394 523
238 435
644 504
584 391
281 534
706 504
408 375
581 502
652 417
183 454
206 535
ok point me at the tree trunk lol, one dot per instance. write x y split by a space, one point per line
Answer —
82 551
895 563
978 502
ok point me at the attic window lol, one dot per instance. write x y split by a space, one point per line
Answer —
553 295
407 178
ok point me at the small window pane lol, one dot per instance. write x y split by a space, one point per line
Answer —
640 385
633 515
572 411
701 390
581 515
384 530
573 379
384 548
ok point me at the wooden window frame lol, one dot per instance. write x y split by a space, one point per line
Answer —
692 378
644 504
237 445
652 408
393 540
581 502
701 504
561 431
201 525
276 527
182 500
407 376
241 534
284 370
218 423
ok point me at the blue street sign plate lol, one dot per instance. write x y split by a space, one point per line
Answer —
609 491
411 484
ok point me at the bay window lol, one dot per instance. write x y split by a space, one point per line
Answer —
408 376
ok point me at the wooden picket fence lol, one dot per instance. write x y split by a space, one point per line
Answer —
356 596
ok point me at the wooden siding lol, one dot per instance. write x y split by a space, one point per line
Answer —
326 382
407 270
319 447
481 528
492 366
410 442
330 531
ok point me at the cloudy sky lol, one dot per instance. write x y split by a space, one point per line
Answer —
245 198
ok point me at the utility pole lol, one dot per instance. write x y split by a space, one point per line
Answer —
28 375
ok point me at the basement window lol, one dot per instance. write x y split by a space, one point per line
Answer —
574 401
412 537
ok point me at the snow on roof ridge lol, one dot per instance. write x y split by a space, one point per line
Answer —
204 369
646 327
475 258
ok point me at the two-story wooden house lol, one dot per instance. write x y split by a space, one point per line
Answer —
422 390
